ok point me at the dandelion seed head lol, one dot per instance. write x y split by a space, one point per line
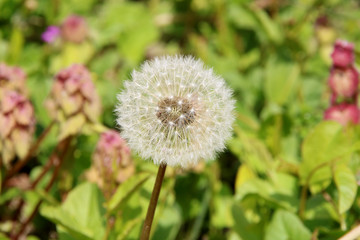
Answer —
184 114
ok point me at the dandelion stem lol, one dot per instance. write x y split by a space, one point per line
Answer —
145 235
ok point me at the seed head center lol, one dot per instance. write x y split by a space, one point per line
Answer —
176 111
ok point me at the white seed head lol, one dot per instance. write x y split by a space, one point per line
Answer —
175 111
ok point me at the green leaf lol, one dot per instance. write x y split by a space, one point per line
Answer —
244 228
9 194
346 184
270 26
277 194
281 79
169 224
16 45
285 225
324 145
126 189
82 213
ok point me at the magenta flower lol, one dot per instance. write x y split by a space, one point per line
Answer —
343 114
50 34
344 82
343 54
74 29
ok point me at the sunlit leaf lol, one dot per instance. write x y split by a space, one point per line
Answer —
285 225
347 186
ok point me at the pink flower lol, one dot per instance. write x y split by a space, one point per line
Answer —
51 34
343 54
110 151
74 92
11 78
343 114
112 162
74 29
17 125
344 82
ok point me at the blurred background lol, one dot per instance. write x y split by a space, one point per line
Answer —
274 54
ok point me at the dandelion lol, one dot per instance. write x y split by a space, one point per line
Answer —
176 112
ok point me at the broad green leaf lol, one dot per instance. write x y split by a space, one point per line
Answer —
326 144
169 223
346 184
277 195
252 151
245 229
284 226
281 79
222 200
67 221
244 174
320 212
126 189
82 214
242 17
271 27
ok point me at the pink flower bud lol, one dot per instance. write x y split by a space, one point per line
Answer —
74 29
12 78
73 95
110 151
73 89
111 162
344 82
343 114
343 54
17 125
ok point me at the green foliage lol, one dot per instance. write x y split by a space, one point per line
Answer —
287 173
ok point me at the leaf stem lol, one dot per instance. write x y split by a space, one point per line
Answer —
145 235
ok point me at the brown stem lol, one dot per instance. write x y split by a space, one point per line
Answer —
56 161
28 156
145 235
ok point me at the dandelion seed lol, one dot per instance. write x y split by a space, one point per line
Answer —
193 111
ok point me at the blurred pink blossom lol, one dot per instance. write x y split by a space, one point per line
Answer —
343 113
344 82
110 151
12 78
74 29
17 125
343 54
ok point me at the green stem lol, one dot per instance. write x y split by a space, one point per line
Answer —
145 235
